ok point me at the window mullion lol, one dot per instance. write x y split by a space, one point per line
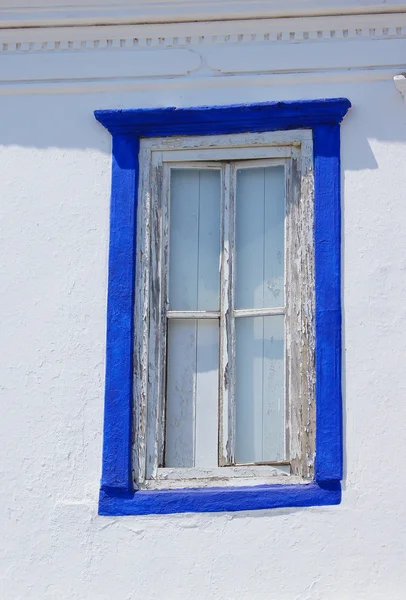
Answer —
231 317
226 383
288 320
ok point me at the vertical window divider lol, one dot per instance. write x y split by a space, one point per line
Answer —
226 372
287 304
231 316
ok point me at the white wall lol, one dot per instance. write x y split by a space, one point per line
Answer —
55 178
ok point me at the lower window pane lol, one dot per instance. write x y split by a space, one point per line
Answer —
191 438
260 395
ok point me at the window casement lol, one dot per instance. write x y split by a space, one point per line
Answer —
226 293
223 353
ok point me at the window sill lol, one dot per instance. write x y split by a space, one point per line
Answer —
145 502
231 476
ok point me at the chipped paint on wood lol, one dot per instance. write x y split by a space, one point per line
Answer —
226 412
223 482
300 313
259 312
228 471
240 140
192 314
163 266
258 152
157 337
141 329
222 476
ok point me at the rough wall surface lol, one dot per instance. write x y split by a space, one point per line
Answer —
55 178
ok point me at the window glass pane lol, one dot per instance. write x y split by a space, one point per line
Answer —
192 393
260 398
260 217
194 239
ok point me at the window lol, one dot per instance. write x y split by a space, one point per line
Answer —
223 380
225 262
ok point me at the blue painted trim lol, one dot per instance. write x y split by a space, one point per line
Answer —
237 118
327 238
120 321
219 499
127 126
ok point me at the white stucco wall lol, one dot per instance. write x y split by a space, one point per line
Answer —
55 185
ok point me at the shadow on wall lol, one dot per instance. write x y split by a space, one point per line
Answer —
66 120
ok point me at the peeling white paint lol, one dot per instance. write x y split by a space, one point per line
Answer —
182 423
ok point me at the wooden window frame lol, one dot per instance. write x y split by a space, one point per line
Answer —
118 495
293 150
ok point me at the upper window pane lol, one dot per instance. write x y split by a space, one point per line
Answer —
260 232
194 239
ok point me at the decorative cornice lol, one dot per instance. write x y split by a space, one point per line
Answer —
180 54
264 31
43 13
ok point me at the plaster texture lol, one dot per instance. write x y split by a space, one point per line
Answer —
55 184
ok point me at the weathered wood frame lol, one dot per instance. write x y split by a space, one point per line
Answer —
293 150
323 117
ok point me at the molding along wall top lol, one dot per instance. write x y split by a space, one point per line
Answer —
292 30
130 56
22 13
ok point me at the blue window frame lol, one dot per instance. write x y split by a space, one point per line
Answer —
323 117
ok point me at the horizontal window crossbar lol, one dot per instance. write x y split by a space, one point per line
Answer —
259 312
272 463
214 314
193 314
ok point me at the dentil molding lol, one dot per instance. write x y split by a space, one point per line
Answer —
263 31
281 51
